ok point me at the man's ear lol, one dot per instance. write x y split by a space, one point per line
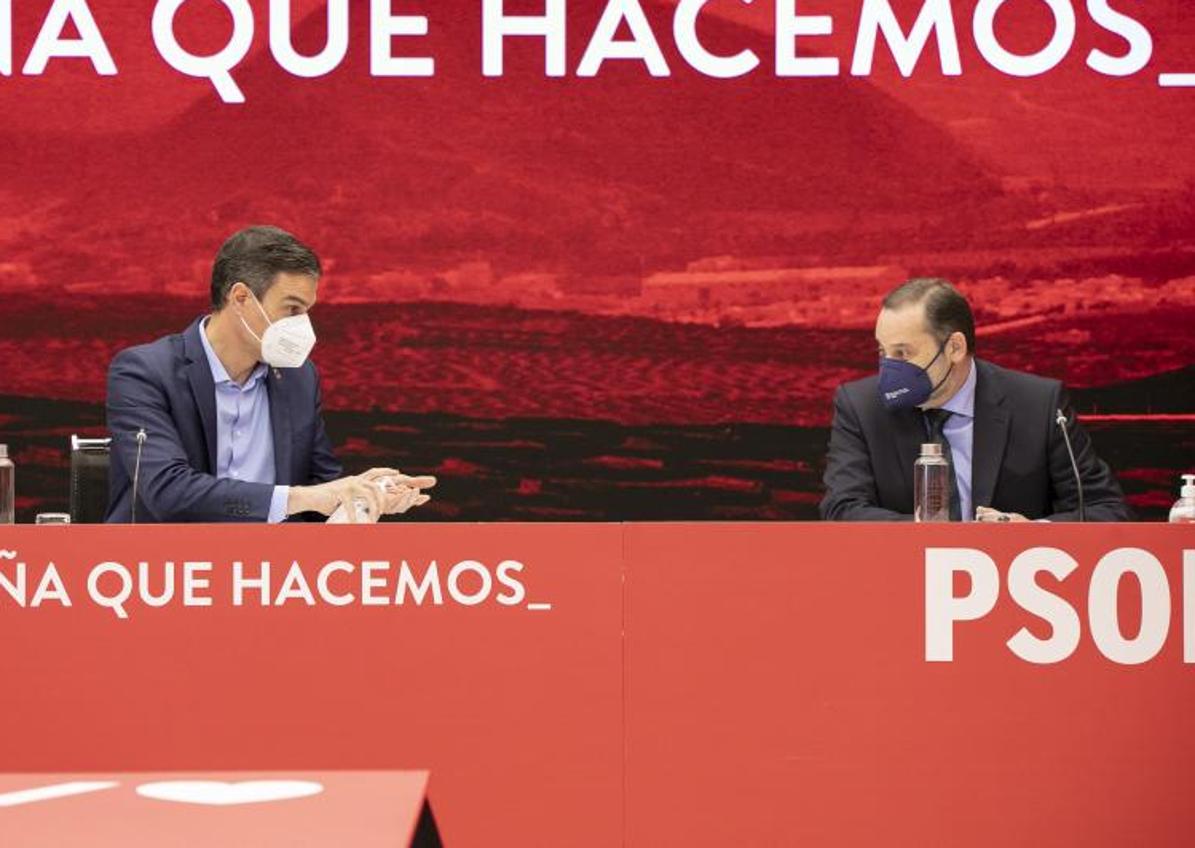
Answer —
238 293
958 346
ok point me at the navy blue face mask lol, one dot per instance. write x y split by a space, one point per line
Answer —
904 385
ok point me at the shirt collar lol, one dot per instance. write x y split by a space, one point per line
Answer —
963 402
219 373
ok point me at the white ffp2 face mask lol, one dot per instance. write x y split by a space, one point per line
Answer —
287 342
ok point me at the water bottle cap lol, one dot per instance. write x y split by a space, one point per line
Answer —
1188 490
3 451
931 449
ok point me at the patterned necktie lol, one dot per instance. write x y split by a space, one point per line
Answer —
935 422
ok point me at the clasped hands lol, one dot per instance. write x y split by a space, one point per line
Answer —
400 493
986 513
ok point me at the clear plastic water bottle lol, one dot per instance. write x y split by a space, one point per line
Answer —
1183 511
931 485
8 494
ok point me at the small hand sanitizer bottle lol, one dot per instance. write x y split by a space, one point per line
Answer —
1183 511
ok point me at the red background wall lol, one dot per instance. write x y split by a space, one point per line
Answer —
610 298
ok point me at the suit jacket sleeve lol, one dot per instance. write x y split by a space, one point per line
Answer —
1103 498
169 489
849 478
324 464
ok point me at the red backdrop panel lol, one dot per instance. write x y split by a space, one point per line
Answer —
692 684
619 297
516 713
778 694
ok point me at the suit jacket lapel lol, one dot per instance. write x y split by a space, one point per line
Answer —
908 430
203 388
278 388
990 436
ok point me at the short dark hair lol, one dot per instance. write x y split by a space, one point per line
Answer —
256 256
946 310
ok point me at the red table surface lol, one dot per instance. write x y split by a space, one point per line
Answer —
363 809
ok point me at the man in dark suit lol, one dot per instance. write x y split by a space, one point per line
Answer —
997 427
227 413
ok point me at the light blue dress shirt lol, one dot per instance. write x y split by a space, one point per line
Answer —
959 432
244 439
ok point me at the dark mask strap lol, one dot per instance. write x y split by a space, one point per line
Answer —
945 376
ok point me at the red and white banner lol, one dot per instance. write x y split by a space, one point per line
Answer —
653 684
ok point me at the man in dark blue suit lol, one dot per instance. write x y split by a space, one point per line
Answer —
227 413
997 427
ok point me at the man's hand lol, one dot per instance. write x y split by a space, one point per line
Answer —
404 492
324 498
986 513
